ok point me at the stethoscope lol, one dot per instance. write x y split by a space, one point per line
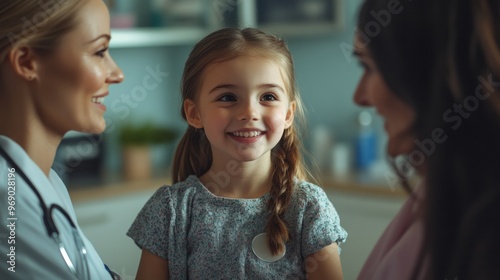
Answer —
81 268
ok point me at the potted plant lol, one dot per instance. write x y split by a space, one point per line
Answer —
136 142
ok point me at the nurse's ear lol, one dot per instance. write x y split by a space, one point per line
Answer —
22 60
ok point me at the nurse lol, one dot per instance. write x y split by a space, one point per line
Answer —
55 71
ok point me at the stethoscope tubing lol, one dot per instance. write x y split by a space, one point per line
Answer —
52 230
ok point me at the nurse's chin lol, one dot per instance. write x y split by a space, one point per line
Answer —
96 129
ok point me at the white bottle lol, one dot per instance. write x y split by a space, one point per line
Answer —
321 147
366 142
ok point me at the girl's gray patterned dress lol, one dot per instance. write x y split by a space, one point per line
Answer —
204 236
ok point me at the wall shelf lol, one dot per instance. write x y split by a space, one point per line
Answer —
154 37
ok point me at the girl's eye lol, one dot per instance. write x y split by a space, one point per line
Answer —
269 97
227 98
102 52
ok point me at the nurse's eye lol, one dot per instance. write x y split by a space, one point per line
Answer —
102 52
269 97
227 98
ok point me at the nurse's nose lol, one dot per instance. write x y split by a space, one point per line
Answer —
115 74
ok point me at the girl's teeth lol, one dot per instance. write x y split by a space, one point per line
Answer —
98 100
247 134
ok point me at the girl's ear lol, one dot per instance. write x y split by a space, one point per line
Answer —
23 61
192 114
290 114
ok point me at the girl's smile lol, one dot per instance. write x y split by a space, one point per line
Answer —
247 136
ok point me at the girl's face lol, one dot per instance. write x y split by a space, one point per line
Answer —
373 91
243 107
74 80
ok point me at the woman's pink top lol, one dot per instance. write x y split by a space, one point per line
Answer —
396 252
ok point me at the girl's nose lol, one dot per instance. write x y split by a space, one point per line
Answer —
249 111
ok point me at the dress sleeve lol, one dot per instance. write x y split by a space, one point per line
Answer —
321 223
150 229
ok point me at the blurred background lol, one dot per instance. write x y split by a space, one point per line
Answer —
110 176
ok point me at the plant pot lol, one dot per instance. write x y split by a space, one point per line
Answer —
137 162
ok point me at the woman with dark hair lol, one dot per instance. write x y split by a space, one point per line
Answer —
432 71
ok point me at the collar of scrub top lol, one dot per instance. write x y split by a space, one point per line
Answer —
82 271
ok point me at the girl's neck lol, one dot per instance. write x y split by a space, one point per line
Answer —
239 179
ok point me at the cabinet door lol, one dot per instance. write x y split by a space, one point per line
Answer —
365 218
290 17
105 222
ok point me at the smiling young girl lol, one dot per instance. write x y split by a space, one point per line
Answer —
240 207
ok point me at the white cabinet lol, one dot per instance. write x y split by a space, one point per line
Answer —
105 222
365 218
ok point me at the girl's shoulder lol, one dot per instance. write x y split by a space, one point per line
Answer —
179 191
192 183
309 193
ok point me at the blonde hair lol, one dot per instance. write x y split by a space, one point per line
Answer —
194 156
35 23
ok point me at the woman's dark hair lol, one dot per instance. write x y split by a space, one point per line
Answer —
443 59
